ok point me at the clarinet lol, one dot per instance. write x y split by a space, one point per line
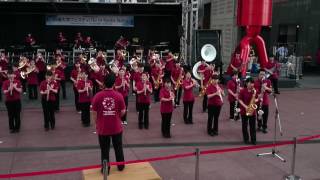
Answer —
87 87
260 111
236 109
48 93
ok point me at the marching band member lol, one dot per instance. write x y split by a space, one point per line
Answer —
263 87
215 102
120 57
61 40
101 58
58 52
235 64
273 69
12 90
48 89
169 64
144 89
41 66
23 64
87 43
84 87
166 108
122 86
98 78
247 101
157 76
74 78
207 74
57 76
3 68
61 66
188 98
32 80
136 78
234 88
30 40
177 75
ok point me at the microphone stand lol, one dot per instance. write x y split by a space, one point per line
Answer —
273 152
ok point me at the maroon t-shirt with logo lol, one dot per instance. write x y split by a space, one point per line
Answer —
108 104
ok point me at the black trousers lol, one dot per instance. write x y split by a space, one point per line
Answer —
205 103
187 111
41 76
24 85
232 106
57 102
63 88
156 94
263 122
14 110
252 127
96 87
213 115
76 98
275 84
48 113
166 124
33 91
124 117
85 113
178 94
104 142
143 115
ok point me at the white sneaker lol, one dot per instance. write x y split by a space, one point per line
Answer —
124 123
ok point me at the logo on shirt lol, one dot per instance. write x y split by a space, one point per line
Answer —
108 106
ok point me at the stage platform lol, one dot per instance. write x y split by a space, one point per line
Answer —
139 171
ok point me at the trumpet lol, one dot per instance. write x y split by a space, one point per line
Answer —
220 91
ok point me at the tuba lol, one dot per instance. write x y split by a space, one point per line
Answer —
208 52
252 106
93 65
195 70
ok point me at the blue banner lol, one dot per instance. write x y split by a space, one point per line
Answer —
89 20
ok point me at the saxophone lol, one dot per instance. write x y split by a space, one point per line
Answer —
204 89
158 82
178 82
252 106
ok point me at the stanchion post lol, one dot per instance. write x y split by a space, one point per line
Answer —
292 176
197 164
105 170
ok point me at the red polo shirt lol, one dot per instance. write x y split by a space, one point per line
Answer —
232 85
215 100
165 106
245 96
83 96
257 86
207 75
236 62
108 104
41 65
187 93
15 94
32 78
43 87
142 98
123 91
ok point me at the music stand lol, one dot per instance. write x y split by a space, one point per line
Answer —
273 152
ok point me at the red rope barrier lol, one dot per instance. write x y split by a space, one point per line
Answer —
176 156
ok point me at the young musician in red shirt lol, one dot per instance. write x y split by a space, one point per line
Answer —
263 87
177 75
215 102
107 109
101 59
235 65
207 74
84 87
247 97
58 76
166 107
272 68
120 57
12 91
136 78
48 90
122 86
156 75
61 66
3 70
32 80
169 64
188 98
74 78
41 65
144 89
234 88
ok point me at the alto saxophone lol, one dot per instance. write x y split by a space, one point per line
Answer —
204 89
178 82
252 106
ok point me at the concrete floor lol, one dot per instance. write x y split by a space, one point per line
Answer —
72 145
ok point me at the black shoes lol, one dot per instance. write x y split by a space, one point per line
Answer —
264 131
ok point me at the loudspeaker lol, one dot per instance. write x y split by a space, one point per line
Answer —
203 37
